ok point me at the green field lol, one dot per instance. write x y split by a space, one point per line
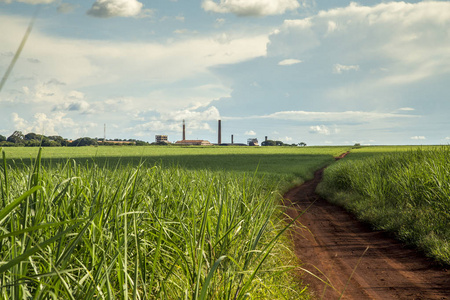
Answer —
285 164
404 190
149 222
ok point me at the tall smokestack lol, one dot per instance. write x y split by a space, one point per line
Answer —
220 133
184 131
232 139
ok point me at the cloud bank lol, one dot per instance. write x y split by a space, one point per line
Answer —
345 117
115 8
30 1
398 43
250 7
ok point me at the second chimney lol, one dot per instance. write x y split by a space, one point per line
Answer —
219 138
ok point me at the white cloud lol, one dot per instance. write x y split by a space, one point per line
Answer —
66 8
322 129
30 1
184 31
250 132
338 68
406 109
171 121
76 95
80 106
346 116
209 114
250 7
420 137
157 126
43 124
219 22
410 40
79 64
319 129
332 26
115 8
288 62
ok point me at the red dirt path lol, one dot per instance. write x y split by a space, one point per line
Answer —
334 243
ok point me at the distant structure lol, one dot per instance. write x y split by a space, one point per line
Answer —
219 138
194 143
162 139
252 142
232 139
191 142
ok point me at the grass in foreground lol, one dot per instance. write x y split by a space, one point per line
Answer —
72 231
407 193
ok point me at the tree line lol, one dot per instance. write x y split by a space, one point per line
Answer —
17 139
280 143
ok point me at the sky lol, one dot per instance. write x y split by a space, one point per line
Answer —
315 71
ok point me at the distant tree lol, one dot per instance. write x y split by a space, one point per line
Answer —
32 136
272 143
32 143
85 141
162 143
8 144
2 138
269 143
45 141
16 138
59 139
302 144
142 143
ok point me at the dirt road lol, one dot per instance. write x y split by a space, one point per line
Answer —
334 244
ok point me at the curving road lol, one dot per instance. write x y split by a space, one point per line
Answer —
356 262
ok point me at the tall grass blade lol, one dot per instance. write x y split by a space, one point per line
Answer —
203 293
5 211
18 51
28 253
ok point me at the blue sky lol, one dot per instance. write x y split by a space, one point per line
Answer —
320 72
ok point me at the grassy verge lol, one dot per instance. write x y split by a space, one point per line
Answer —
402 192
106 229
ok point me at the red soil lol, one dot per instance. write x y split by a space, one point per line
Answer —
332 244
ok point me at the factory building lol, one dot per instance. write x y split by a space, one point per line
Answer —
162 139
252 142
194 143
191 142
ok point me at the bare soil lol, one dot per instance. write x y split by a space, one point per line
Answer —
354 261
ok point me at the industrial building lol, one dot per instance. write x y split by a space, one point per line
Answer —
191 142
184 141
162 139
252 142
194 143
